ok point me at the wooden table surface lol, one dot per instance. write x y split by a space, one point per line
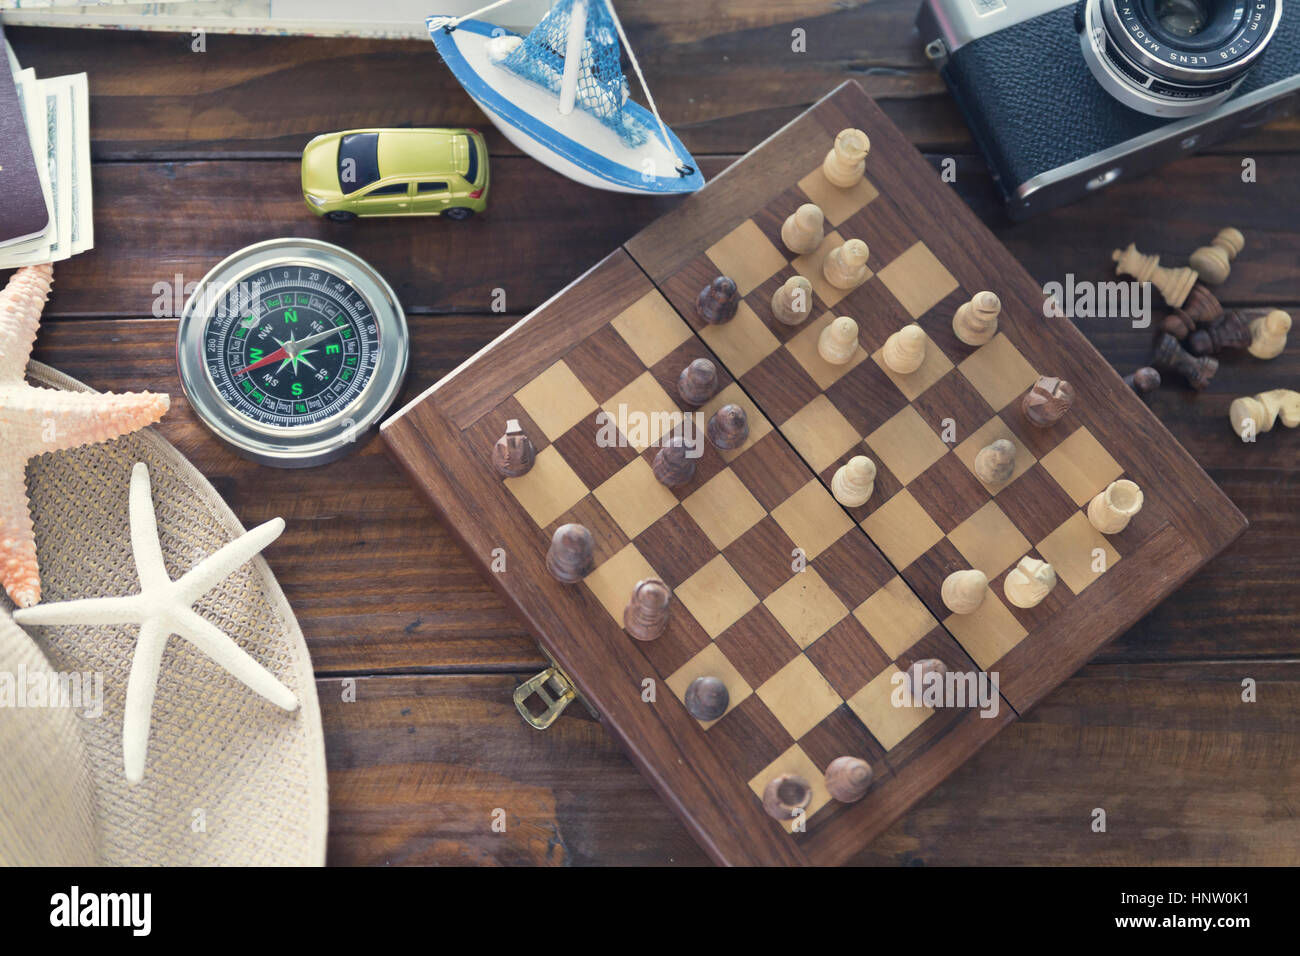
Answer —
196 155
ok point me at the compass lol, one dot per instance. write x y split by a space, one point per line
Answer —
290 350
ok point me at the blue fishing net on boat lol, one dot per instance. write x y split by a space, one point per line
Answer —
602 88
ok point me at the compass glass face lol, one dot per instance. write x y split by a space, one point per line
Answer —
291 345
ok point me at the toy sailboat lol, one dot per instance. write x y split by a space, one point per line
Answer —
559 94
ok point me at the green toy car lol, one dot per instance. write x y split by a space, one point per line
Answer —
396 172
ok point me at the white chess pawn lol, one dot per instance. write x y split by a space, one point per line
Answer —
838 341
846 266
804 229
854 481
904 351
976 322
963 591
1268 334
846 162
792 301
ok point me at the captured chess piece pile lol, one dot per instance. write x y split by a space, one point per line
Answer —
1197 329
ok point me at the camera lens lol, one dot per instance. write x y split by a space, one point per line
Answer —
1172 58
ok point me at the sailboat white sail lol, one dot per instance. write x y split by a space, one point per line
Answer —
560 95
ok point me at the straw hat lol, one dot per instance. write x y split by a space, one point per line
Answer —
231 779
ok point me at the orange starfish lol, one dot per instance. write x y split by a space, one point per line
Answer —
35 421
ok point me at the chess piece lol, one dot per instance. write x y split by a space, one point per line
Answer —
672 465
1111 510
846 162
963 591
923 673
996 463
804 229
792 301
570 554
1213 262
1047 401
698 382
1202 305
785 795
1178 324
846 266
1170 356
904 351
513 454
976 321
646 614
1261 412
848 779
1268 334
1172 284
1229 332
1029 582
707 698
718 300
729 427
854 481
1144 381
838 342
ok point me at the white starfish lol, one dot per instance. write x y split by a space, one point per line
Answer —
165 607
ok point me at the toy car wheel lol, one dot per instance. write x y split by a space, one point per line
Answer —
340 215
458 213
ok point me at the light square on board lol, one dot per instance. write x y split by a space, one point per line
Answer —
935 366
874 706
549 488
1070 550
918 280
634 497
988 633
837 204
716 596
993 430
989 540
1082 466
806 607
812 518
906 444
895 617
759 426
742 342
794 761
651 327
998 371
810 267
556 400
710 662
644 412
747 256
804 349
820 434
798 696
723 508
902 529
612 582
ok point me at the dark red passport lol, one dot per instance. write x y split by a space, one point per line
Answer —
22 207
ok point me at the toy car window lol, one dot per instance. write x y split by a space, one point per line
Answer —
471 173
358 161
397 189
431 187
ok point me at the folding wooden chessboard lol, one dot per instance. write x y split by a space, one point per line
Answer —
806 609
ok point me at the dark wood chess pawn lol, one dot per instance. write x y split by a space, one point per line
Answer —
698 382
1144 381
1178 324
569 557
1047 401
848 779
646 614
1230 332
785 794
717 301
729 427
707 698
1172 357
513 454
918 675
1202 305
673 464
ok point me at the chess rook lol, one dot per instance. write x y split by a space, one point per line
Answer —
646 614
1229 332
706 698
996 463
854 481
804 229
846 162
1111 510
792 301
1263 411
976 321
729 427
838 342
1029 582
569 557
1197 371
1144 380
717 301
1172 284
846 266
1268 334
786 794
904 351
963 591
1047 401
673 465
1213 263
698 382
848 779
513 454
